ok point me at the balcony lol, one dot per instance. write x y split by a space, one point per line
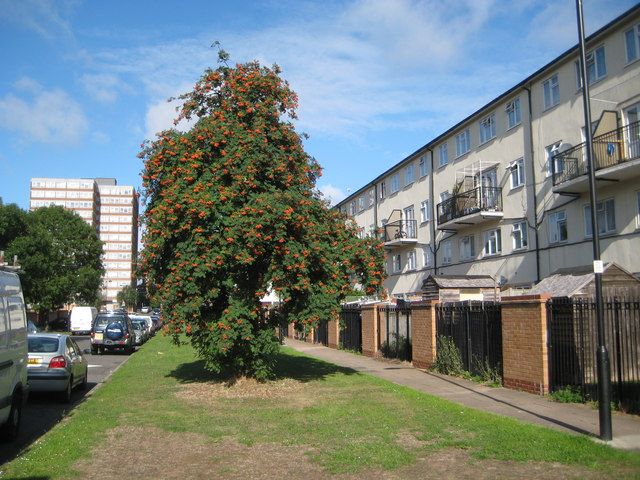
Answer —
400 233
478 205
616 157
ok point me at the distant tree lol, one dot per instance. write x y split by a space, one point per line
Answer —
129 296
60 258
13 224
232 212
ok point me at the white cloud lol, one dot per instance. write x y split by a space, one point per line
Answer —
51 117
161 115
27 84
48 18
331 193
100 138
102 87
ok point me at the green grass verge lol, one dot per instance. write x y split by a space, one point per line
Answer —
351 421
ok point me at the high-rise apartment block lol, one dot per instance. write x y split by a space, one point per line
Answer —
111 208
505 192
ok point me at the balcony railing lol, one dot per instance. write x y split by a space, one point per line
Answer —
400 230
476 200
609 149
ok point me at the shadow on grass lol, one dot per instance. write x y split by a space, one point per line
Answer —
300 368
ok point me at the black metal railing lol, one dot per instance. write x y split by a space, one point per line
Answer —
572 344
476 329
400 229
351 327
322 333
394 330
478 199
609 149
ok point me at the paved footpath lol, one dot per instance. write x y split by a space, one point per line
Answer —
572 418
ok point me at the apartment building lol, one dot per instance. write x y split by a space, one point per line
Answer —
111 208
505 191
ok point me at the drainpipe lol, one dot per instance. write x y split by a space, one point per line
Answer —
433 216
533 179
375 208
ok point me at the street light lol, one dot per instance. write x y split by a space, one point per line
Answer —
602 355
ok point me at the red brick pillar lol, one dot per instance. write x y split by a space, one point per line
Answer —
291 331
369 315
423 333
311 336
524 343
334 334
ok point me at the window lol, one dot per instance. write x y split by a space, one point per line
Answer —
352 208
411 260
554 165
487 128
444 196
409 226
514 117
370 197
397 263
408 174
443 155
467 248
605 211
424 211
395 182
423 165
383 190
463 143
519 234
638 209
557 227
360 204
427 257
492 242
596 67
447 256
632 42
517 173
551 92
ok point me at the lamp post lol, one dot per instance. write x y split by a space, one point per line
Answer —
602 355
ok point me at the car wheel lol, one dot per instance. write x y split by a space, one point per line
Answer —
66 395
10 429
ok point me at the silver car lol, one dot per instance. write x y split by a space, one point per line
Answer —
56 364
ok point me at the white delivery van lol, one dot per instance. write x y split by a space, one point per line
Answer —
13 354
81 320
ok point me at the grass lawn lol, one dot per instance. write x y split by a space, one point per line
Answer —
162 416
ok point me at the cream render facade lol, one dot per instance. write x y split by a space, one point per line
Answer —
505 191
112 209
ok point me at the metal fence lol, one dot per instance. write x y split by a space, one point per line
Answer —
322 333
351 327
572 343
394 330
476 329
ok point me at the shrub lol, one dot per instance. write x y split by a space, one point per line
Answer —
568 394
448 358
398 347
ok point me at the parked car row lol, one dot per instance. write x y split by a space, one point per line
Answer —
118 330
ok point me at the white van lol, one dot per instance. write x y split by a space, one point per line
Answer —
13 354
81 320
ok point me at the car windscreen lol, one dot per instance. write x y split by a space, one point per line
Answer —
138 324
104 320
43 345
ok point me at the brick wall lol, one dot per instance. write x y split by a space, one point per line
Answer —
291 331
370 330
423 333
524 343
334 334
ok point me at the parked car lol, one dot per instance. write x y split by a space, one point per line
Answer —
112 331
14 387
140 331
56 364
148 326
82 319
145 309
60 324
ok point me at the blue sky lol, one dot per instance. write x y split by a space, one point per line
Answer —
83 83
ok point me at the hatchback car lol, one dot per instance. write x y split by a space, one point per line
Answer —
112 331
55 364
140 331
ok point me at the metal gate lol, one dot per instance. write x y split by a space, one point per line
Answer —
322 333
351 327
572 344
476 329
394 328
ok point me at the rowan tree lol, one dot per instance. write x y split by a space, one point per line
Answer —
232 212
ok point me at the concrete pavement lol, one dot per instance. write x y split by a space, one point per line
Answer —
572 418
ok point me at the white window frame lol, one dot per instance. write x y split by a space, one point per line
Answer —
371 197
463 143
427 257
411 260
514 114
555 220
352 207
606 208
423 166
487 128
425 213
467 247
632 39
550 92
447 252
520 236
492 242
443 155
517 173
395 183
408 175
550 151
396 263
596 67
361 203
383 190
